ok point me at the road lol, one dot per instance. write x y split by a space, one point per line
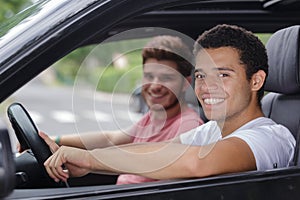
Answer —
61 110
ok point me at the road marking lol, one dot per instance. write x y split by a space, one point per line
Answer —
98 116
63 116
36 117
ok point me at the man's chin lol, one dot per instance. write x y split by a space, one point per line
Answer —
214 117
157 107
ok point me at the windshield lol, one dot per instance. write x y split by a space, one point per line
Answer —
13 20
35 21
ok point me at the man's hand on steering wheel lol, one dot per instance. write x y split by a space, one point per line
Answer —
52 145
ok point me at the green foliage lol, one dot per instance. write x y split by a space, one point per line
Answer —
94 65
9 8
8 16
109 81
125 80
264 37
66 68
105 78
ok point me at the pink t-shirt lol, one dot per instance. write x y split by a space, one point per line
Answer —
160 130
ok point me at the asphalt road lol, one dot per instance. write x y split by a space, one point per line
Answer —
59 110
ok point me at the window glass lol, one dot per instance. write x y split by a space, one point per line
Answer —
88 90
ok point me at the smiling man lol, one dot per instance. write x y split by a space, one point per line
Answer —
231 69
167 72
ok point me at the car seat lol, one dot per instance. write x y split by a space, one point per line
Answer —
282 103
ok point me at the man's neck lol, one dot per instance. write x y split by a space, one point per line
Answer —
231 124
169 112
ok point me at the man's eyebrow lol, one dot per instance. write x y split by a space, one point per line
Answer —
198 70
163 74
216 69
225 69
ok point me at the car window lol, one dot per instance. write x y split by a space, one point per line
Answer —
88 90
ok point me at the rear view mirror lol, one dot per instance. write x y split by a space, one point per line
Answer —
7 165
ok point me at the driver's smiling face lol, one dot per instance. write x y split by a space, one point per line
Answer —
162 83
221 84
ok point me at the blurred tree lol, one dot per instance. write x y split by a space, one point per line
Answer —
8 8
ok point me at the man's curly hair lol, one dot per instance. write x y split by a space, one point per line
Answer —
251 50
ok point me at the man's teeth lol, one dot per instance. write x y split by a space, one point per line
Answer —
156 95
213 101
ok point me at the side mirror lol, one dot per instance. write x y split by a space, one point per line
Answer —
7 165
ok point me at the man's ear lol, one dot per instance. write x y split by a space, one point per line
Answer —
258 80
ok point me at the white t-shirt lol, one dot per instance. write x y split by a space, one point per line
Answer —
272 144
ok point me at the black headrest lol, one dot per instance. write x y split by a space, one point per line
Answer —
283 55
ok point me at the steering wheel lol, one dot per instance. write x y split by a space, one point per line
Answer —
27 134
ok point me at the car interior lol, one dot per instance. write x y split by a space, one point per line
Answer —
7 165
282 102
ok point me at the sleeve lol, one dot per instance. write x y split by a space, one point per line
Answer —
188 137
272 146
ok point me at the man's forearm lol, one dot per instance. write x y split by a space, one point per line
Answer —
94 140
156 160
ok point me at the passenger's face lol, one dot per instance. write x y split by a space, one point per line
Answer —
162 84
221 85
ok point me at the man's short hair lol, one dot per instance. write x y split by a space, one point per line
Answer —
166 47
